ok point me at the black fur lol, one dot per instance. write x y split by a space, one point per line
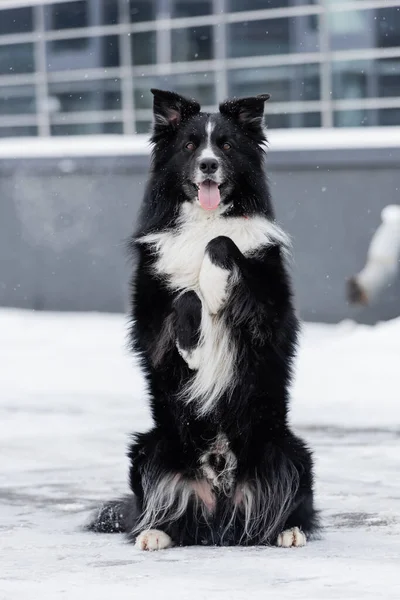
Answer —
252 413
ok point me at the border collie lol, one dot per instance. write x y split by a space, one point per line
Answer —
214 325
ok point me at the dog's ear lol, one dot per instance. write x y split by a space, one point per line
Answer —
247 112
170 109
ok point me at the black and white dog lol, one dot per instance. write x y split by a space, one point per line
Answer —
214 324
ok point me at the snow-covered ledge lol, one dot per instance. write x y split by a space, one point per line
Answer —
138 145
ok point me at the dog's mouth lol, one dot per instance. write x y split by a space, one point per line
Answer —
209 194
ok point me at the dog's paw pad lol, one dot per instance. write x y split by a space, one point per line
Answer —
153 539
291 538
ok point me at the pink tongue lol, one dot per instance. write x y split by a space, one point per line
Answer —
209 196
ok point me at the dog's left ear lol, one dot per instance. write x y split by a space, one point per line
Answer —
247 112
170 109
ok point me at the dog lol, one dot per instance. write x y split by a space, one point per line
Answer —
214 326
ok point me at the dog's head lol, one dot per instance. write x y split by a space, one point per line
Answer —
208 155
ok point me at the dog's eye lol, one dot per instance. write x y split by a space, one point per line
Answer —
226 146
190 146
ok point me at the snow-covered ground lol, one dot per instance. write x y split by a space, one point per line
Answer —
69 396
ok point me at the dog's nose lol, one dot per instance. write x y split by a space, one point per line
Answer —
208 165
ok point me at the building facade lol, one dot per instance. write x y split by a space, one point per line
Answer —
86 66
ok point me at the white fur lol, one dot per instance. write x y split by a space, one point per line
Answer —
181 251
153 539
291 538
167 498
216 370
213 282
180 256
208 151
192 357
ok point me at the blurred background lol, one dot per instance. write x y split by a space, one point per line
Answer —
75 112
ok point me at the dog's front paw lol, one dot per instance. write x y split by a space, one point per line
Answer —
153 539
291 538
217 273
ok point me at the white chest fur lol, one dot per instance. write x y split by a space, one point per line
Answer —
180 252
180 257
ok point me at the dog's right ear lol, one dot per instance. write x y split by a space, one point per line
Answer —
170 109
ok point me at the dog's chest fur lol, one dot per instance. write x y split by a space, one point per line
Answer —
180 251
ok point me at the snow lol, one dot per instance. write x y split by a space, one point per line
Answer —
279 140
69 396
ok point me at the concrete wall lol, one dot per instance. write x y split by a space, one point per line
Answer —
64 223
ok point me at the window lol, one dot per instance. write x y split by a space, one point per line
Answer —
87 129
25 131
195 43
191 8
200 86
272 36
143 127
384 117
16 58
144 49
76 96
285 120
110 12
367 78
17 100
16 20
67 15
240 5
388 77
285 84
142 10
388 27
350 79
365 28
83 53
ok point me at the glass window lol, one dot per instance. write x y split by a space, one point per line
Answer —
366 78
239 5
16 20
285 84
365 28
385 117
17 100
143 47
272 36
110 12
195 43
76 96
83 53
143 126
388 77
142 10
67 15
192 85
286 120
25 131
389 116
191 8
16 58
350 79
353 118
388 26
86 128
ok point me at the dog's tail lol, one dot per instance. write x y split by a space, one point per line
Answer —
116 516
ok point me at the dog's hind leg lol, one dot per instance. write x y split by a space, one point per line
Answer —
187 328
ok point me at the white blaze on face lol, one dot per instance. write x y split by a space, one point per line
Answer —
209 196
208 151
